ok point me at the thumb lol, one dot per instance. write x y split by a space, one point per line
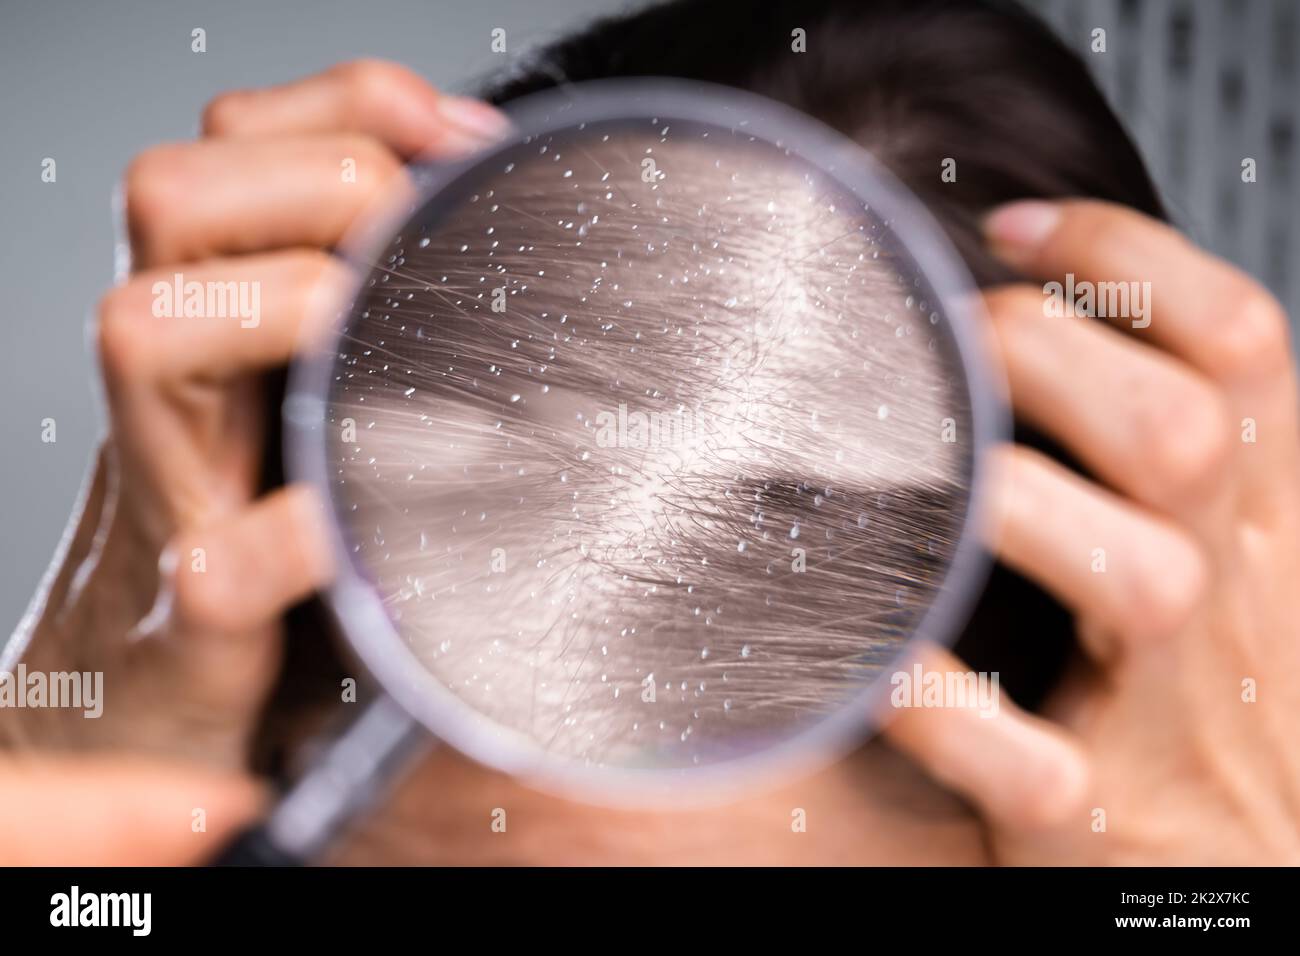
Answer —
118 811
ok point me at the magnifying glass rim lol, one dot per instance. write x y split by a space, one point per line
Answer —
359 609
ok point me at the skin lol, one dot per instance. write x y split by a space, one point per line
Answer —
1199 529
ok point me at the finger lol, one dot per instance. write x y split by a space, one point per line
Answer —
1142 421
1021 771
118 811
249 313
380 99
1137 575
247 571
1198 307
189 201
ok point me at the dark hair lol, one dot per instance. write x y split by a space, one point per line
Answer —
916 82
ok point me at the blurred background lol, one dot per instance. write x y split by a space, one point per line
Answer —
1202 84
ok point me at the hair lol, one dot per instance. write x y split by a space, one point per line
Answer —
612 437
916 82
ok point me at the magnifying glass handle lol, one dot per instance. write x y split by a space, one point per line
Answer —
345 779
255 847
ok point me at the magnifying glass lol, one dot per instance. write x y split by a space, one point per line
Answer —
653 439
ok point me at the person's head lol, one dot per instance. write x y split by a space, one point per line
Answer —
969 103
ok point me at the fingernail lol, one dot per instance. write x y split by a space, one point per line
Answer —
475 117
1022 225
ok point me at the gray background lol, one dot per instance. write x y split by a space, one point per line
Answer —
1202 84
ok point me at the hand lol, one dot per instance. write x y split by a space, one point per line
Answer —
118 811
177 575
1174 741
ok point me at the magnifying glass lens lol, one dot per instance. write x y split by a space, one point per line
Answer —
654 442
